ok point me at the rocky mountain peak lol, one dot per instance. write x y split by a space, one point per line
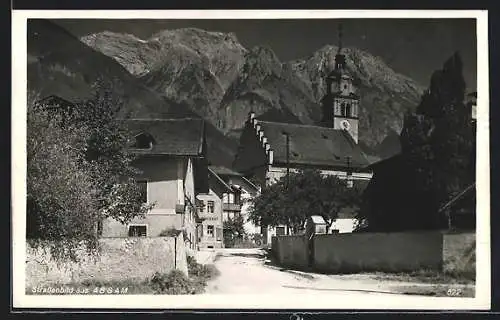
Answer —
220 79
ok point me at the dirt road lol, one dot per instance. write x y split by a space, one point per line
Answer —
245 271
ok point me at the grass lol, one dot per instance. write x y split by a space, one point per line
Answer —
174 282
428 276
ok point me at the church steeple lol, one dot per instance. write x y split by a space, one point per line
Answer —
340 58
341 103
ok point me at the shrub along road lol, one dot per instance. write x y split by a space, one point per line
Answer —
246 271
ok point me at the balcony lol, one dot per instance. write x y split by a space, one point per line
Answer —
231 207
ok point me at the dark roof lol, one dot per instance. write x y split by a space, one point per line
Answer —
54 100
171 136
391 161
224 171
214 178
312 145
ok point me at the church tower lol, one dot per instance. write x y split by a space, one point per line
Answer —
341 103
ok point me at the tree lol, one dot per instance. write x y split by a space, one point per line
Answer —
112 170
235 226
61 195
436 162
79 172
307 193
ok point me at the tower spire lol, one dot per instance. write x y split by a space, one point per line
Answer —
340 38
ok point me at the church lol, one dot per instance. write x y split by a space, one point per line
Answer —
268 150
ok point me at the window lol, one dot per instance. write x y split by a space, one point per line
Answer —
201 206
210 206
143 141
137 231
342 109
348 110
210 230
143 189
231 198
350 182
280 231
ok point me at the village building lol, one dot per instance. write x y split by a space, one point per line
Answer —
210 209
237 202
270 150
171 158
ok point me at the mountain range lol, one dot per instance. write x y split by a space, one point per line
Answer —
193 72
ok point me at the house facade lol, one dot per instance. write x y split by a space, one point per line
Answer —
210 231
270 150
237 200
172 171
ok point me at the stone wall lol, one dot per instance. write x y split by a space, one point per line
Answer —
459 253
391 252
119 259
290 251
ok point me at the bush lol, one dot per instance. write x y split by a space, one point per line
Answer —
174 282
201 271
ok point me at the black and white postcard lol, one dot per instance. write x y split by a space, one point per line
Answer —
258 159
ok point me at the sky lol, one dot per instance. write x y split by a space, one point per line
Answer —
413 47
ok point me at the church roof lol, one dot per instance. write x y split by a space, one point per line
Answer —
312 145
183 137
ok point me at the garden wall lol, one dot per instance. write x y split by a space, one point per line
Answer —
391 252
119 259
290 251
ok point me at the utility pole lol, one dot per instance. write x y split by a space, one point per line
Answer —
348 173
287 137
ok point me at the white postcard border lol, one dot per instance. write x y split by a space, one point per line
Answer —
264 301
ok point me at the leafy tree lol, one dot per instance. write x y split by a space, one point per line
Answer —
437 159
119 197
291 201
79 172
61 195
235 226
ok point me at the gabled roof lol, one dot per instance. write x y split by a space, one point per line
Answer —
55 101
224 174
215 179
182 137
224 171
312 145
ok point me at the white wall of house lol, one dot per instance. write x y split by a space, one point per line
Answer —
169 180
343 225
274 173
211 232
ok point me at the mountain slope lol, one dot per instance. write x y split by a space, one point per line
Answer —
385 94
222 81
265 85
60 64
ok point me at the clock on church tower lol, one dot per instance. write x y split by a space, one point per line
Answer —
341 103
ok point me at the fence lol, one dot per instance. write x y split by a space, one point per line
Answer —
120 258
393 252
